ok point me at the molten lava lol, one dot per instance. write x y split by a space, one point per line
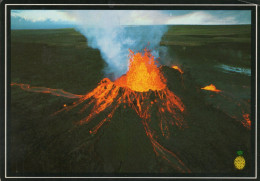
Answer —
247 122
56 92
143 74
211 87
177 68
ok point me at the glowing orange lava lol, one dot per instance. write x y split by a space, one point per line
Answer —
248 121
211 87
56 92
143 74
177 68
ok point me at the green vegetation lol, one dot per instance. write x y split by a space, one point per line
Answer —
204 35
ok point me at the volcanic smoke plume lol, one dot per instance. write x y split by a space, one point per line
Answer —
142 88
113 37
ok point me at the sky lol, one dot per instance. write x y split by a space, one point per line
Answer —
53 19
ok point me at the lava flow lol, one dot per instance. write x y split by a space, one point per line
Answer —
211 87
141 88
56 92
177 68
247 122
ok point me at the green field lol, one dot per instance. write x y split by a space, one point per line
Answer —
61 59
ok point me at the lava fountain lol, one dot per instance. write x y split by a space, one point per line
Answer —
134 89
141 88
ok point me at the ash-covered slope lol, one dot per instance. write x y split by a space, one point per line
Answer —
211 139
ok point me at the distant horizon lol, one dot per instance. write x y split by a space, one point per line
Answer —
132 26
56 19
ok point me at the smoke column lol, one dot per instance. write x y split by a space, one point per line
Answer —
110 32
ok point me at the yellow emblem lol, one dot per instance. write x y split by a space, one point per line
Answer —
240 161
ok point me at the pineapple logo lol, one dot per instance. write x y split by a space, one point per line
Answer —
240 161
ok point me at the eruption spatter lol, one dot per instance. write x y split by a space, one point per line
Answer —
141 88
245 120
211 87
177 68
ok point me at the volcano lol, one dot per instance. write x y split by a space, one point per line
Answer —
141 88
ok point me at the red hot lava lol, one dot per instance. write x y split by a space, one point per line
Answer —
211 87
177 68
247 122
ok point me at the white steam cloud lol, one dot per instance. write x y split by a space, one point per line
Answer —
114 40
